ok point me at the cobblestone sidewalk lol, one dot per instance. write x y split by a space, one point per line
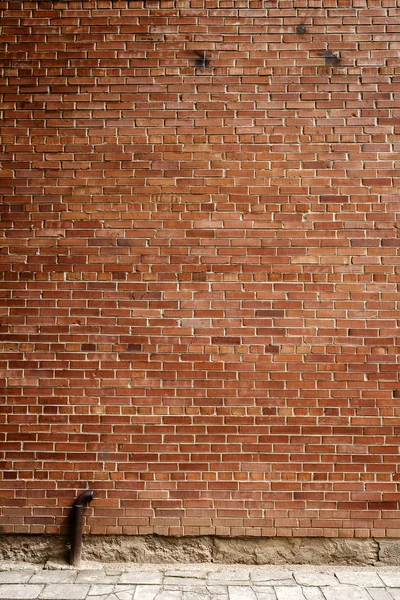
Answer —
196 582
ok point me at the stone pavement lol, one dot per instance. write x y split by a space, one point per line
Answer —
93 581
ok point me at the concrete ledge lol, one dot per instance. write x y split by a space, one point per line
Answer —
205 549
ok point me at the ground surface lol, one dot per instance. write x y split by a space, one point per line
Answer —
196 582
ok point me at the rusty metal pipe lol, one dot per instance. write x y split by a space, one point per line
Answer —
76 525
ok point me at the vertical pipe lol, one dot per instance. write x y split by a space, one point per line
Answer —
77 525
76 537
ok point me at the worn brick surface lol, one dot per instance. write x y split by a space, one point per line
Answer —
200 266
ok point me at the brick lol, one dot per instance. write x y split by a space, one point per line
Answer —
226 340
199 283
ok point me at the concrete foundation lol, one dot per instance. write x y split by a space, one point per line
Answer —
250 551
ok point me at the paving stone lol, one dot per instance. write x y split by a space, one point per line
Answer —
289 593
228 582
268 574
224 583
170 595
183 581
201 574
89 576
265 593
64 591
241 593
192 589
381 594
360 578
15 576
15 565
261 587
148 578
91 565
281 583
314 579
19 591
390 578
146 592
96 576
312 593
101 590
190 582
54 577
59 565
124 592
238 574
229 576
345 592
198 595
280 578
217 590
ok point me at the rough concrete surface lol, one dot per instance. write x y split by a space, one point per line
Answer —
250 551
151 549
389 551
32 548
318 551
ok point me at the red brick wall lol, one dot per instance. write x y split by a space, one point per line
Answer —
200 269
